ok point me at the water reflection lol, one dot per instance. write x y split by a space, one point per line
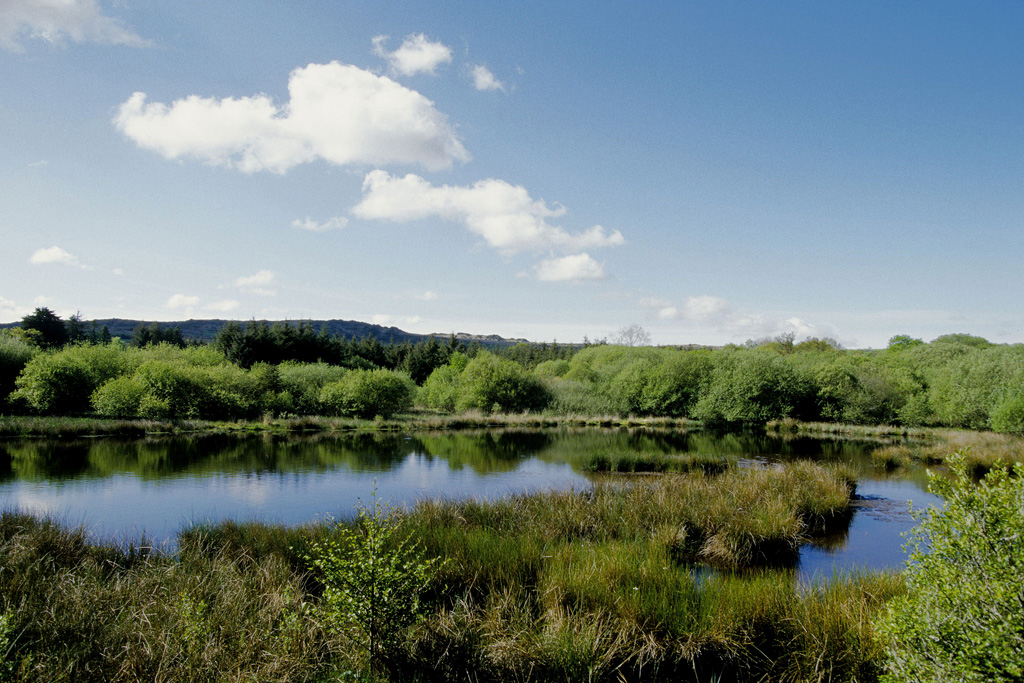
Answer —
124 488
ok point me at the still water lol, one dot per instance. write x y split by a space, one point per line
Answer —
152 488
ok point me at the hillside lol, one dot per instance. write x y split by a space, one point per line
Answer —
206 330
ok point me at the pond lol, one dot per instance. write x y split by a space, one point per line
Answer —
126 489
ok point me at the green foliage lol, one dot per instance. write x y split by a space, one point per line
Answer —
1008 415
964 339
368 394
754 386
52 332
15 353
373 579
491 384
6 647
901 342
441 389
962 617
120 397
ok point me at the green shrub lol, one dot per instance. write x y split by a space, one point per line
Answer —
441 388
495 384
373 580
368 394
961 619
1008 415
119 397
304 381
15 354
754 386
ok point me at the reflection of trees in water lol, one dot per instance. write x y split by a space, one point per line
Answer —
485 451
48 460
192 455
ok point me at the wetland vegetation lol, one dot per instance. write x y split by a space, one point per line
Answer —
664 561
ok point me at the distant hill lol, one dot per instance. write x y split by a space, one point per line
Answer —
206 330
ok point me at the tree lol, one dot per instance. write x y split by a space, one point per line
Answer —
49 325
632 335
962 617
373 580
903 341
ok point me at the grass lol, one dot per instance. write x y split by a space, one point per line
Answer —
984 451
613 461
68 427
595 585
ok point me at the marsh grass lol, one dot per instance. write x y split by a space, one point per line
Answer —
594 585
656 462
982 451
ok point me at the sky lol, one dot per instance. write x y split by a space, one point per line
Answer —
712 171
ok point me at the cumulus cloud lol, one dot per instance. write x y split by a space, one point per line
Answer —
333 223
504 215
336 112
7 306
717 313
426 296
182 301
483 79
53 254
257 283
224 306
574 268
416 54
56 20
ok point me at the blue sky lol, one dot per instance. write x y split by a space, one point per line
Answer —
714 171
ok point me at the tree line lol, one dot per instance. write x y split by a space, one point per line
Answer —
252 370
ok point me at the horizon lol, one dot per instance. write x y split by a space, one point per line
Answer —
714 172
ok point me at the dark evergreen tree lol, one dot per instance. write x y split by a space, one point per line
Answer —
53 333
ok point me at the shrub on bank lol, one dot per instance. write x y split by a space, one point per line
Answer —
368 394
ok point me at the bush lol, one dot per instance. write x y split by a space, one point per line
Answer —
755 386
119 397
373 581
368 394
15 354
491 383
441 389
961 619
1008 416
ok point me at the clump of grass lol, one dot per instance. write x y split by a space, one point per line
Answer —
657 462
983 451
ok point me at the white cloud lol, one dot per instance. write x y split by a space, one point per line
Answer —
717 313
426 296
257 283
7 306
483 79
182 301
503 214
336 112
118 271
53 254
573 268
41 300
223 306
54 20
333 223
416 54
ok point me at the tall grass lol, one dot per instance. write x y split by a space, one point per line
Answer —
595 585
